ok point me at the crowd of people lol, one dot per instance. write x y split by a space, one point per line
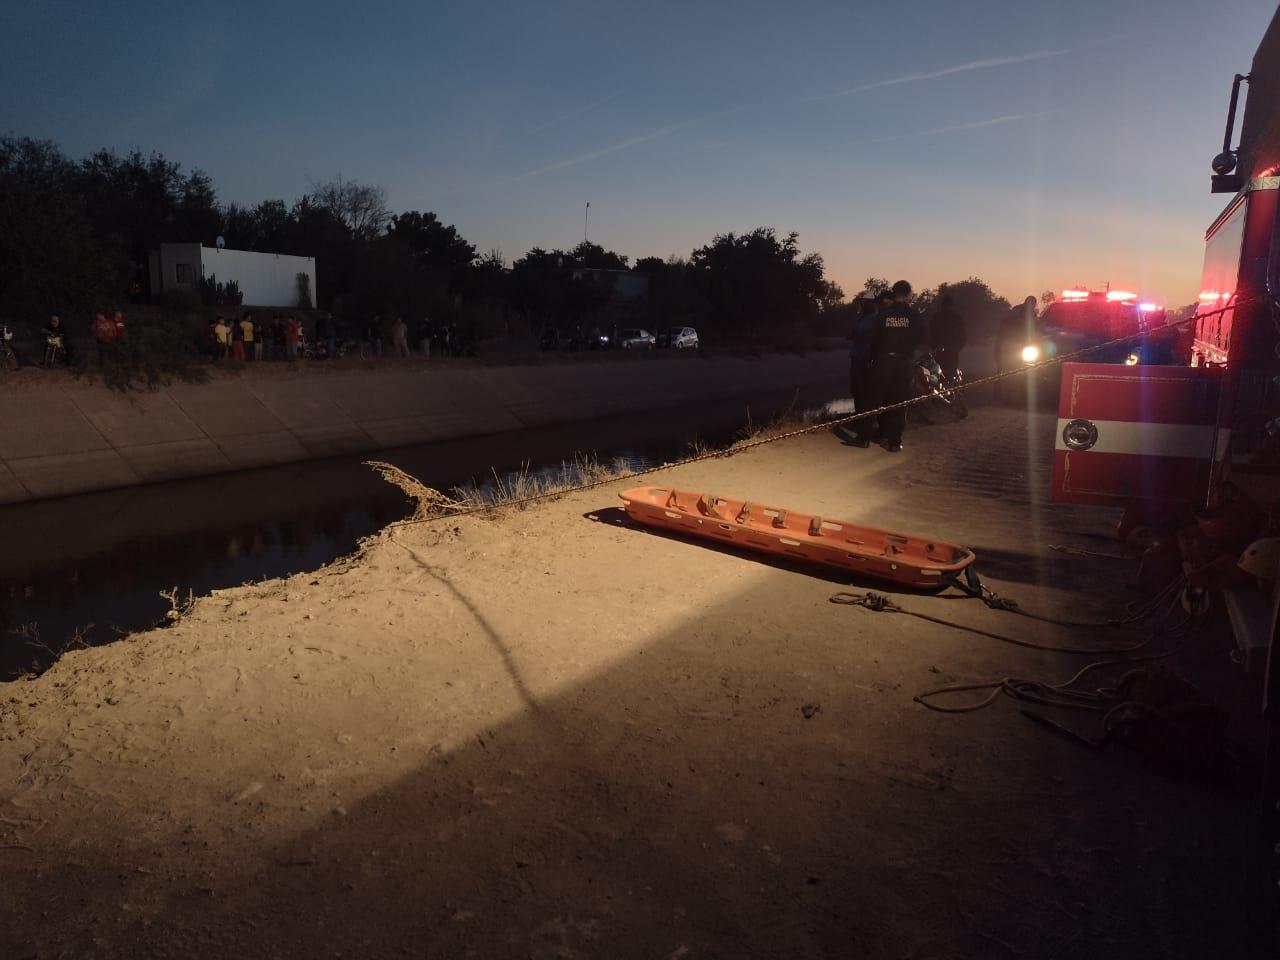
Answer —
888 336
286 337
248 338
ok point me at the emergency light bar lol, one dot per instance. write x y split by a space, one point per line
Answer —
1075 294
1114 295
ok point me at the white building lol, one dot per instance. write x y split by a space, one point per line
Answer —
265 279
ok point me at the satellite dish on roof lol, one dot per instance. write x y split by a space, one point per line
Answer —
220 242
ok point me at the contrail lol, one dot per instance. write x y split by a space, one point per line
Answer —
971 65
572 114
953 128
626 144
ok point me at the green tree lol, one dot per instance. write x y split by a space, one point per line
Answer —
674 299
758 281
135 203
52 262
592 256
432 243
974 299
830 295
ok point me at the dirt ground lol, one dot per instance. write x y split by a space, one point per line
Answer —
557 735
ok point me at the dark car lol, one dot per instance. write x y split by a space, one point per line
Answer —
635 339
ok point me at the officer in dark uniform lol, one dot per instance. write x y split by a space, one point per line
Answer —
862 365
860 350
899 333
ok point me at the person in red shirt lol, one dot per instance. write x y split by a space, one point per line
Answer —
104 334
292 333
237 341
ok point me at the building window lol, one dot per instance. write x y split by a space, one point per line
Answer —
182 272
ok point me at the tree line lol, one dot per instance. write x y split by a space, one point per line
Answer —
75 237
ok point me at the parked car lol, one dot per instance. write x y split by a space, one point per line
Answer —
636 339
680 338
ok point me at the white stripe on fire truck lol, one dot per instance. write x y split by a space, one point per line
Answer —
1138 438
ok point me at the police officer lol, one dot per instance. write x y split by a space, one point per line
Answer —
899 333
862 364
860 350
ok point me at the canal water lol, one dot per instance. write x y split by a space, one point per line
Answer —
87 570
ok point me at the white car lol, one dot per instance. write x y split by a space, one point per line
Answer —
681 338
636 339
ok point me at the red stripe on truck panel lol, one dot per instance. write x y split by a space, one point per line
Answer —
1114 478
1149 394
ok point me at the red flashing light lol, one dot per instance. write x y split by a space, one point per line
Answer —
1148 307
1120 295
1075 294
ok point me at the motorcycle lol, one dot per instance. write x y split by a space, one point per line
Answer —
943 393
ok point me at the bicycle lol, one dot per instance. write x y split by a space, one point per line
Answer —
54 350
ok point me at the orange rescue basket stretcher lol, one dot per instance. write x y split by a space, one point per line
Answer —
900 558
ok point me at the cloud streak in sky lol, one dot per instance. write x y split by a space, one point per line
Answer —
967 67
918 77
954 128
627 144
572 114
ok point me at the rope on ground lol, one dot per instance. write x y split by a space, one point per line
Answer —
1031 690
1089 554
970 584
742 447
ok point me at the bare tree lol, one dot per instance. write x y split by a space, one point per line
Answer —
361 207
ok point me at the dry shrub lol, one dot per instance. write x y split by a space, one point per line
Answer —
428 502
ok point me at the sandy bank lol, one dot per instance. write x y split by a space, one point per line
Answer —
559 736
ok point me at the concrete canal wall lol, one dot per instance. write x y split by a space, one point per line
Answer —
68 437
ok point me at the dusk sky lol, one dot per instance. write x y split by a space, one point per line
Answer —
1035 145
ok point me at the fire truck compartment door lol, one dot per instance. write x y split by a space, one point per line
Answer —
1141 433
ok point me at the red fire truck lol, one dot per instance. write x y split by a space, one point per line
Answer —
1155 437
1194 447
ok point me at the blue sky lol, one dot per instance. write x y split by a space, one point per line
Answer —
1034 144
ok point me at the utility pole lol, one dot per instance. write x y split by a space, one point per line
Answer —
585 214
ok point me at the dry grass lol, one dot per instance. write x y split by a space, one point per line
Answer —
514 490
46 654
526 486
